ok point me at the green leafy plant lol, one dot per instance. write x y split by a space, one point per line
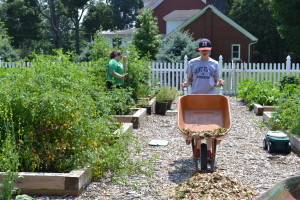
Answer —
146 37
166 94
177 45
263 92
287 114
55 103
9 159
289 80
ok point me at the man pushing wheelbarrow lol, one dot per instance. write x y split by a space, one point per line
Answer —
203 116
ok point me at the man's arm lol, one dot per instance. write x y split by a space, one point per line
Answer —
188 82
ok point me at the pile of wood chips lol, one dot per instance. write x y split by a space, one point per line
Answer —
212 186
218 132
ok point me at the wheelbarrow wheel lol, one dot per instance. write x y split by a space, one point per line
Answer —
203 157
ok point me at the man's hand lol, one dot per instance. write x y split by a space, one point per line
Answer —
220 83
184 84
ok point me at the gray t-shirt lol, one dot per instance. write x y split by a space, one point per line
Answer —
204 73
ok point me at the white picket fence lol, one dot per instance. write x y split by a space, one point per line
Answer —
173 74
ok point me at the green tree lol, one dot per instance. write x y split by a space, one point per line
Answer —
287 13
146 38
6 50
21 21
125 12
256 17
75 10
52 11
177 45
98 16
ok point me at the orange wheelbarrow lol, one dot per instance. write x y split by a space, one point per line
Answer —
204 120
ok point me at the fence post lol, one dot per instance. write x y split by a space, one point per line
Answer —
220 72
185 66
288 65
220 65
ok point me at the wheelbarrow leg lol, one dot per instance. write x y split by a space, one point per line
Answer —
203 157
214 150
195 156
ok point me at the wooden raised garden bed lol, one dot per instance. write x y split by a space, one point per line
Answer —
56 184
39 183
267 115
259 109
136 118
295 143
150 106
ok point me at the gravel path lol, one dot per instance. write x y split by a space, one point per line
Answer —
240 155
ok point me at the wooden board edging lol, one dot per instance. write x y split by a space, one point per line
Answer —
39 183
267 115
57 184
295 143
136 119
259 109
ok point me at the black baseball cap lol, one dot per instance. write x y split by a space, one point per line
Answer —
204 44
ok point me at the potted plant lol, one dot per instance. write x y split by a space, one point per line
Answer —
164 99
172 93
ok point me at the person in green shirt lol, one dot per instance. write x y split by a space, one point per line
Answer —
115 72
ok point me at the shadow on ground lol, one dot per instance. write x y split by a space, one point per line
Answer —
184 169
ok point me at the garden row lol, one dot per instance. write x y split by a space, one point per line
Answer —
57 116
279 103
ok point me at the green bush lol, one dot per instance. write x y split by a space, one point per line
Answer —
263 92
177 45
287 114
138 68
166 94
286 98
58 125
289 80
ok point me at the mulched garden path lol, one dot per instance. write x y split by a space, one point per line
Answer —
240 156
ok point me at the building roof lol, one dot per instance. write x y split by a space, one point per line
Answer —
181 14
221 15
119 32
149 4
155 3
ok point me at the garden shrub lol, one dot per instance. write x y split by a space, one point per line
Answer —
58 124
287 114
177 45
285 96
263 92
288 80
166 94
138 68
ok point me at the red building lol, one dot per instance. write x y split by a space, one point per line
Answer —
204 20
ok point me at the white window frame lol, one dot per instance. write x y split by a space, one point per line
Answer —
239 52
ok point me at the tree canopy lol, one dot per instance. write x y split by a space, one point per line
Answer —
256 17
146 38
125 12
99 16
288 15
6 51
177 45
